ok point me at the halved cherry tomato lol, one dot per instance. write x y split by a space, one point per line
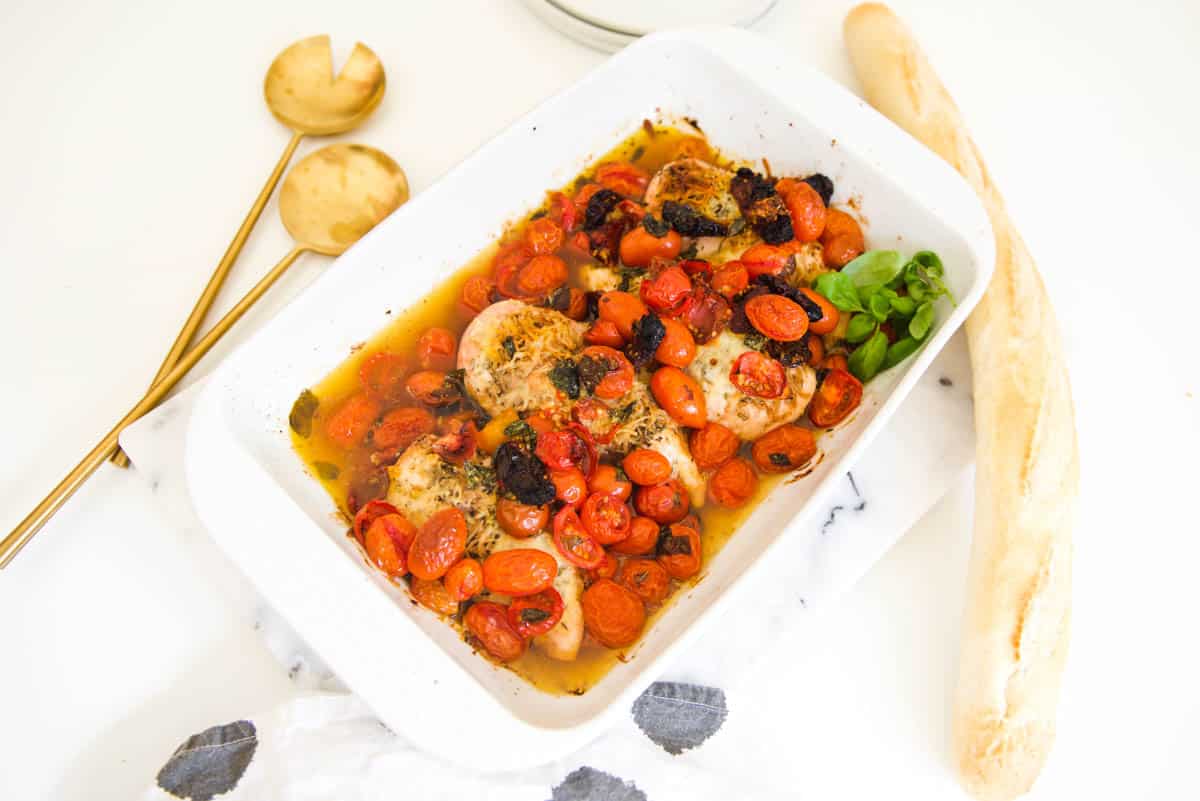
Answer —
678 346
604 332
507 262
762 259
666 290
437 349
816 348
705 312
836 361
428 387
805 207
622 309
647 579
619 376
401 427
563 211
829 314
543 236
680 552
560 450
396 526
535 615
519 571
758 375
367 515
433 595
542 275
777 317
606 569
643 537
695 267
349 425
438 544
664 503
784 448
576 304
606 479
623 178
576 545
383 550
382 376
488 622
570 485
597 419
464 580
639 246
713 445
606 518
646 467
838 394
842 240
730 278
612 614
680 395
733 484
476 295
520 520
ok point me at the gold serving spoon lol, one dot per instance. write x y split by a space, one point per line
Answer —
329 200
304 95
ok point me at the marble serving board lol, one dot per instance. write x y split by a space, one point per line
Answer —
926 446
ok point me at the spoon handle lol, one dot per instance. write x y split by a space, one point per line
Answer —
205 301
24 531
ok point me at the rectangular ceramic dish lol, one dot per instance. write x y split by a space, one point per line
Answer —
278 524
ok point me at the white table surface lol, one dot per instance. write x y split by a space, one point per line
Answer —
134 137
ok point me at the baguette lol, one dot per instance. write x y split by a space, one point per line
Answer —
1017 620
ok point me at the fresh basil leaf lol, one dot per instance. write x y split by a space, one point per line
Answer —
904 306
874 268
840 291
867 358
917 291
879 306
900 350
861 326
930 261
922 321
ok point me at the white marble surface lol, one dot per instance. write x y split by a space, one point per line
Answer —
135 138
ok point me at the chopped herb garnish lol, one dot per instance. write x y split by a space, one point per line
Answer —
522 432
301 416
780 460
755 341
620 415
565 378
480 477
654 226
592 371
532 614
510 347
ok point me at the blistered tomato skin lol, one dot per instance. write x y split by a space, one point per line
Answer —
613 614
520 571
488 623
680 395
438 545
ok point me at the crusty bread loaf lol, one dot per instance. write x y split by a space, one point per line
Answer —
1016 625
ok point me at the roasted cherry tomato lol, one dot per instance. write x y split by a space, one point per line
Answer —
459 441
506 264
622 310
604 332
438 544
838 394
540 422
777 317
606 569
639 246
541 276
535 615
816 348
730 279
400 428
647 579
606 479
349 424
642 539
367 515
437 349
805 207
613 615
733 484
576 545
605 517
763 259
562 449
783 449
597 419
563 211
382 377
576 304
519 571
623 178
828 313
382 548
666 290
476 295
758 375
835 361
680 395
488 623
664 503
464 580
570 485
429 387
696 267
520 520
842 241
678 346
712 445
433 595
618 375
646 467
680 552
543 236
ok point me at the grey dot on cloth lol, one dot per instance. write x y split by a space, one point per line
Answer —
679 716
589 784
211 762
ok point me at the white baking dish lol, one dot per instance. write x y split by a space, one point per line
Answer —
280 527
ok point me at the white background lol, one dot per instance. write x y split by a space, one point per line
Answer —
134 137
